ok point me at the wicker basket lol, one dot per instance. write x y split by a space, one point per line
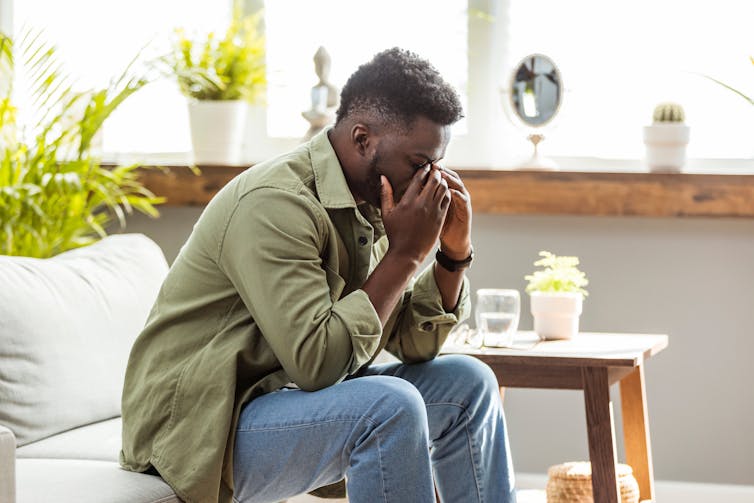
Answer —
572 483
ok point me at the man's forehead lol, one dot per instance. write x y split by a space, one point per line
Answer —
426 138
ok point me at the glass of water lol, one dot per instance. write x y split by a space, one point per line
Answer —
497 313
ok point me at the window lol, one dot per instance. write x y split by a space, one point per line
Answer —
96 40
352 32
619 59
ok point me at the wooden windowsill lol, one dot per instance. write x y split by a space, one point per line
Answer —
507 192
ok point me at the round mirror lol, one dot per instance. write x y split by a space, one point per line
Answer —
536 90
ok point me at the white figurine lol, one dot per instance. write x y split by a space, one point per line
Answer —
325 96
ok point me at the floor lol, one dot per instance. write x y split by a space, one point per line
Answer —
666 491
524 496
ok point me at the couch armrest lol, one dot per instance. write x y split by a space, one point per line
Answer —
7 465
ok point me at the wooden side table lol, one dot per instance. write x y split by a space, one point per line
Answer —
591 362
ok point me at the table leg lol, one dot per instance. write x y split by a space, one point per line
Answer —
601 433
636 431
502 394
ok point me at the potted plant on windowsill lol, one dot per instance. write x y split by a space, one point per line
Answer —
666 139
220 78
557 294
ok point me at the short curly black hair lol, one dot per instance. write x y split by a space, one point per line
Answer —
398 86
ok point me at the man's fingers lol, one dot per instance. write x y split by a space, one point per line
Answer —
386 195
450 172
415 187
445 202
441 189
454 181
433 181
460 195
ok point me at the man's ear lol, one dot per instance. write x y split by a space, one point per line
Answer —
361 138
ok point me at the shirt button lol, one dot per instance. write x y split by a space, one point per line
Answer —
363 240
427 326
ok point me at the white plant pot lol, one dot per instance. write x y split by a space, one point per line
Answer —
217 131
666 146
556 315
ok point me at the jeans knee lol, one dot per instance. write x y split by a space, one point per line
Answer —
398 399
476 375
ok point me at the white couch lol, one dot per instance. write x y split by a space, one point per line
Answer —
66 328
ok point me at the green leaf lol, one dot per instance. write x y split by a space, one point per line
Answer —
560 274
54 195
750 100
730 88
230 68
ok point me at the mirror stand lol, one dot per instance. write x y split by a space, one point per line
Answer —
534 95
537 161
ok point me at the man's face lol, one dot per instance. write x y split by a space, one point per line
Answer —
400 154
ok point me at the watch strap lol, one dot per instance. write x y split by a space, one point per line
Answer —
453 265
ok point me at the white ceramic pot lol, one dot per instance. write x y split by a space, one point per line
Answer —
666 146
217 131
556 315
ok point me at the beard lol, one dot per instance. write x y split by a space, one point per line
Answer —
373 183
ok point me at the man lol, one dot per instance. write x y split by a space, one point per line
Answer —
252 378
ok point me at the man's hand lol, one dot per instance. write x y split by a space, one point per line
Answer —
412 227
414 224
455 237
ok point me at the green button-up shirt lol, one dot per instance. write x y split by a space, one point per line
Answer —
266 291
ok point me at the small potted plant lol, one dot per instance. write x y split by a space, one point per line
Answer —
220 78
557 295
666 139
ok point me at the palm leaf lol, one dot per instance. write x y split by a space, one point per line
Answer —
6 65
105 101
750 100
55 196
50 84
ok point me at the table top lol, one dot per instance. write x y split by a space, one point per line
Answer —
587 349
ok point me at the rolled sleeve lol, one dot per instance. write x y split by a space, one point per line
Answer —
423 324
362 323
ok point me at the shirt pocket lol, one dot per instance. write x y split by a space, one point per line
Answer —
335 282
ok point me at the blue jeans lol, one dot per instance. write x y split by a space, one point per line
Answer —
395 434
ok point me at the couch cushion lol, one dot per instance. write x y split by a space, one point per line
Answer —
99 441
66 328
86 481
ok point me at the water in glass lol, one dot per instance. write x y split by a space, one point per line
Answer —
497 314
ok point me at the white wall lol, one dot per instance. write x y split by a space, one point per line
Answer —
690 278
6 16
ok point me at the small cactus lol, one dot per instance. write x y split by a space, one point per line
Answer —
668 112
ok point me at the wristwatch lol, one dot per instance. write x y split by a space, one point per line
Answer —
453 265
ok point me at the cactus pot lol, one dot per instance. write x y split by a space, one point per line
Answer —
666 146
556 315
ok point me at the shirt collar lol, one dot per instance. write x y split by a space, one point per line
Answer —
332 188
329 179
